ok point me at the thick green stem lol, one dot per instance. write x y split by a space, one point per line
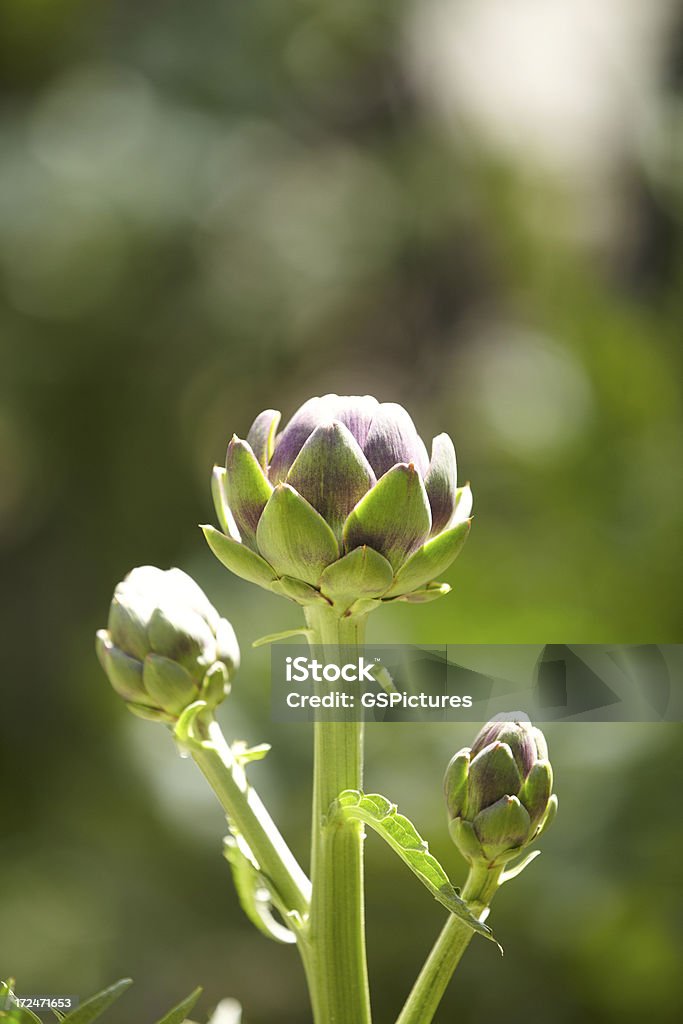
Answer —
340 993
242 805
455 937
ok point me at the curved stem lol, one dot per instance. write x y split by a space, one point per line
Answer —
340 992
455 937
243 806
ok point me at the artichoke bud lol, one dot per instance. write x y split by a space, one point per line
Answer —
166 646
344 505
499 792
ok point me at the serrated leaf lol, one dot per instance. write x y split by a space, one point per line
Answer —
179 1013
253 893
94 1007
401 835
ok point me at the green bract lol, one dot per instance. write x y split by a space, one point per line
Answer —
499 792
166 646
344 507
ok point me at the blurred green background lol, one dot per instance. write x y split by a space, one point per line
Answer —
469 206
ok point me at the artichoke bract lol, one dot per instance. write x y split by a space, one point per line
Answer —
166 646
499 792
344 506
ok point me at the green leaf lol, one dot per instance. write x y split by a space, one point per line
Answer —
430 560
516 869
245 754
179 1013
239 559
254 895
393 518
402 836
272 638
94 1007
9 1011
362 573
295 538
187 731
21 1015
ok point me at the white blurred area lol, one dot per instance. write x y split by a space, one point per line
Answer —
562 89
228 1011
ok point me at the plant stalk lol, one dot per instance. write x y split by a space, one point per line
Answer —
243 806
338 969
455 937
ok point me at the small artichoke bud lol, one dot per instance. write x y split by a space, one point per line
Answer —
166 646
499 792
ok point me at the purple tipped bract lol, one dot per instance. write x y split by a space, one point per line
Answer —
385 436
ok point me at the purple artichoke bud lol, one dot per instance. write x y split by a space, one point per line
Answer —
343 506
499 791
166 646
